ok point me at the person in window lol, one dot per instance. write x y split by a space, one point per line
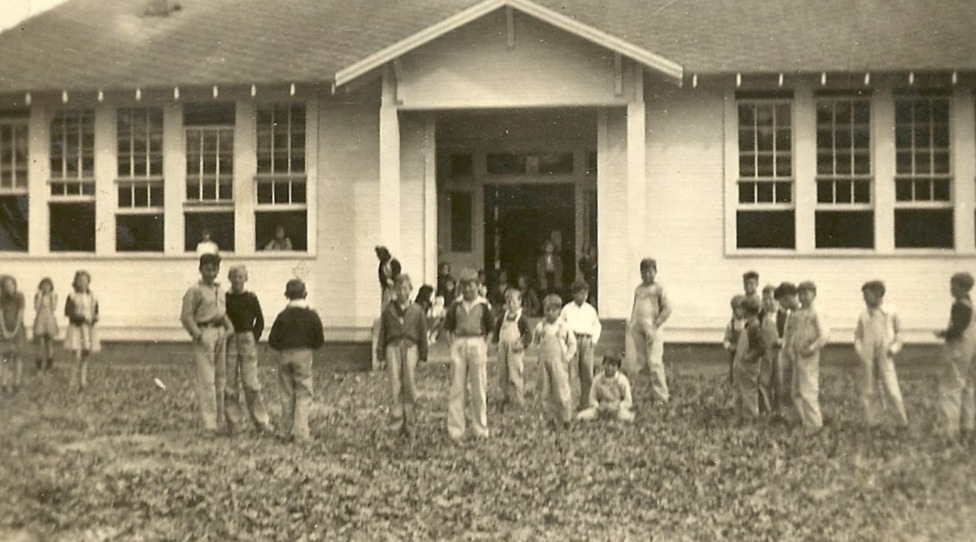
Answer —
280 241
206 244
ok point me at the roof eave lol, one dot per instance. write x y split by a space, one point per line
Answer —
651 60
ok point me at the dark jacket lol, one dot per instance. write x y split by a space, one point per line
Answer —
244 311
296 327
450 319
410 323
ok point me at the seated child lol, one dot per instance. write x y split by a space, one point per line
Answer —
610 395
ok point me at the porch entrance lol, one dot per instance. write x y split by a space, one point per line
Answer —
521 218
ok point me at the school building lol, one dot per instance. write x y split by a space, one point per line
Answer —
831 140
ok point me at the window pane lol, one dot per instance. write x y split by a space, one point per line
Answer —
125 195
265 193
765 229
862 192
156 195
764 192
747 165
295 224
784 165
208 114
862 163
747 139
141 196
281 192
923 228
825 163
843 192
139 233
784 192
747 192
903 190
845 229
923 190
461 221
556 163
825 192
765 165
72 227
298 192
219 224
940 190
13 223
506 163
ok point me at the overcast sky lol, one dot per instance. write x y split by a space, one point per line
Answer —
14 11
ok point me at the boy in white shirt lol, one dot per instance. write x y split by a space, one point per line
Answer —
610 395
584 322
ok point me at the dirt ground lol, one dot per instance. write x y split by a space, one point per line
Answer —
125 461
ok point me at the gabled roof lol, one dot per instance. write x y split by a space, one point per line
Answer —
107 44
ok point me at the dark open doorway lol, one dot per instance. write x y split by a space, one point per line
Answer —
519 218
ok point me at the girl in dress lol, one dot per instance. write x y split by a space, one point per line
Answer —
82 312
13 336
45 324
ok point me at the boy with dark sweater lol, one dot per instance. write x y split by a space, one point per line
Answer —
468 324
402 343
244 311
956 383
296 333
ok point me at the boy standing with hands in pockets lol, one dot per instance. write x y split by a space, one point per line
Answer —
204 316
877 342
295 335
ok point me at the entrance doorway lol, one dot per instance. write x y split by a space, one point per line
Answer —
520 218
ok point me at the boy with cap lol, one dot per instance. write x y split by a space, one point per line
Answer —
402 343
610 395
204 317
468 323
749 350
809 333
296 333
650 311
955 377
584 322
877 341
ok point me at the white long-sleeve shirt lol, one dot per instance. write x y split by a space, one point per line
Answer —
582 320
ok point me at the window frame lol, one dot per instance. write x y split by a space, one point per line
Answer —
290 175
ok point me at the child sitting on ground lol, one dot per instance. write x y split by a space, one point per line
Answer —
610 395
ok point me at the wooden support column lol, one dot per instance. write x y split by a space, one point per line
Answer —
312 172
174 179
389 202
38 176
804 168
430 199
106 193
245 167
964 182
636 171
883 120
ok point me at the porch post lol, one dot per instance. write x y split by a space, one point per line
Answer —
430 200
38 176
636 172
106 195
389 200
963 140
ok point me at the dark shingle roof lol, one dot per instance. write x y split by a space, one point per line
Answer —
106 44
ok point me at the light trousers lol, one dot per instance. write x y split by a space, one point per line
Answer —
583 363
401 367
806 389
956 386
649 349
511 372
295 381
209 354
878 370
242 368
469 360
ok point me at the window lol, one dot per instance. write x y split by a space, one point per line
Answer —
139 222
209 206
13 180
923 179
282 202
844 216
73 181
765 214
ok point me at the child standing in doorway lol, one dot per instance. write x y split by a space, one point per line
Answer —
13 339
45 323
81 309
651 310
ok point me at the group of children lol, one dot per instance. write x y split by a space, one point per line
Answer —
774 344
219 321
81 338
